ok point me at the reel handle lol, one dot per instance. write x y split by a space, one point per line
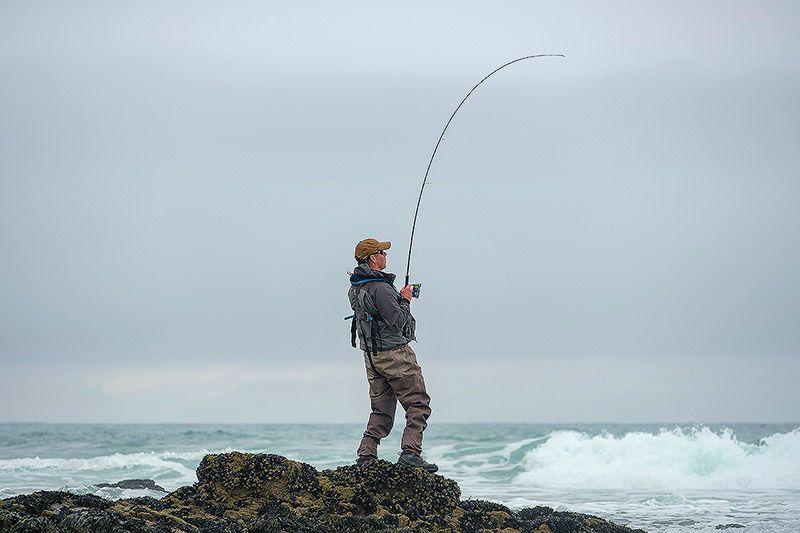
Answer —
415 289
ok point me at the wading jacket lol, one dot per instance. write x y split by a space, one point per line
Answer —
381 314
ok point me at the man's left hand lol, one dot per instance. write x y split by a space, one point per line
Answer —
406 293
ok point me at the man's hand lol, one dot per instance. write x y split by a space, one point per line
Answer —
406 293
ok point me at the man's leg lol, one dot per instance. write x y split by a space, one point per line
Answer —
409 386
384 404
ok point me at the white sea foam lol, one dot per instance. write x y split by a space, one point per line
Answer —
677 459
117 461
465 459
170 469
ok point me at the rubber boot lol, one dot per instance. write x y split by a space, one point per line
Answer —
414 460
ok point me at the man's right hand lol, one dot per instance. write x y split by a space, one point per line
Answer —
406 293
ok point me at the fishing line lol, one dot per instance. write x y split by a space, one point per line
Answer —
438 142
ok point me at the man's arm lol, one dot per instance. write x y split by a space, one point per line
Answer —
396 314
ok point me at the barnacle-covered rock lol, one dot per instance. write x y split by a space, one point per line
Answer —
481 515
134 484
386 485
63 511
264 493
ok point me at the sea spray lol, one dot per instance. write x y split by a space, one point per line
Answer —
677 459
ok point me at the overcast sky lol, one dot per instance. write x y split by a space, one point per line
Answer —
614 236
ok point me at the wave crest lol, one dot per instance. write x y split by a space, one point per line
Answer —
108 462
676 459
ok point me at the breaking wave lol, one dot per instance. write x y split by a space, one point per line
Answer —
170 469
676 459
116 461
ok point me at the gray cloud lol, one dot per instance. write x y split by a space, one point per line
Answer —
182 186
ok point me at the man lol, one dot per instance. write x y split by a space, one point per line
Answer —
384 326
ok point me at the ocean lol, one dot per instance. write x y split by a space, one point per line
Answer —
659 477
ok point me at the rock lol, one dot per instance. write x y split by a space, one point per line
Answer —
264 493
133 484
728 526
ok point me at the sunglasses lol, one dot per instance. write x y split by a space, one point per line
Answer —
380 252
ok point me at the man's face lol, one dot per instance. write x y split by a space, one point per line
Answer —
378 260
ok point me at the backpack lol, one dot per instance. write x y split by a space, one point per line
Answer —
365 315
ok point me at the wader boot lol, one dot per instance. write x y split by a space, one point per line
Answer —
415 461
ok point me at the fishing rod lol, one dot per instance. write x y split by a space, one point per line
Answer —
430 162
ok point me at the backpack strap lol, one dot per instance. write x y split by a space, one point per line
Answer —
353 332
374 335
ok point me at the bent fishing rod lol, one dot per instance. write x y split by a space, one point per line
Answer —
438 142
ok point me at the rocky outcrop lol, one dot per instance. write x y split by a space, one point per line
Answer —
261 493
134 484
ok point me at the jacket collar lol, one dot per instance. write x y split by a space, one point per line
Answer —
363 272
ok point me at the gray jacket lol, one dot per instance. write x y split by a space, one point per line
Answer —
380 312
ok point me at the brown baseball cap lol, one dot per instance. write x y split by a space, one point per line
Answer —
367 247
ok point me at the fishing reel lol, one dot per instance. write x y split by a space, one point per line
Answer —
415 288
